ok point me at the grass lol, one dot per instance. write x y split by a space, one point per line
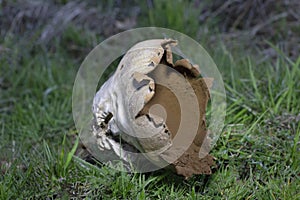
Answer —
257 155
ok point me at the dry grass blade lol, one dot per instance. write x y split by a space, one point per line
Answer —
63 16
49 19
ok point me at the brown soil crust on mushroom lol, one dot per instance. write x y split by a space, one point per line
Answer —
189 162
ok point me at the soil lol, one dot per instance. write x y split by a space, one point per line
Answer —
189 162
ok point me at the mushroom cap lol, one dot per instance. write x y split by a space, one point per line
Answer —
156 108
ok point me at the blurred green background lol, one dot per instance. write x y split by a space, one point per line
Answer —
255 45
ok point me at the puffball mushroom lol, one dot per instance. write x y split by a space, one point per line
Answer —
144 105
